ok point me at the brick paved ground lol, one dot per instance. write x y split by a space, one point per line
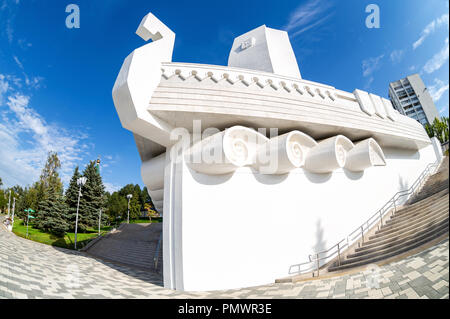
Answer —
32 270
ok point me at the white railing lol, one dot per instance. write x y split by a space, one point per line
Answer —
314 261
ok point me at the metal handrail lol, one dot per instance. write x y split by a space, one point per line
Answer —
156 257
359 232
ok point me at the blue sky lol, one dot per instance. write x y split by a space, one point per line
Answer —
55 82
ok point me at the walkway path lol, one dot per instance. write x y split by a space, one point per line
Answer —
32 270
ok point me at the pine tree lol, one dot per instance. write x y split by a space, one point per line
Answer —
52 212
49 175
72 200
92 199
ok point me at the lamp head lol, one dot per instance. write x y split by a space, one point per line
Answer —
129 196
81 181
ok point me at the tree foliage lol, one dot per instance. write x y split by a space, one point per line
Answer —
92 199
50 176
439 129
118 202
72 198
52 213
56 209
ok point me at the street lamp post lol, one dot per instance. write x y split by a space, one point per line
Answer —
99 221
9 203
13 208
129 196
81 181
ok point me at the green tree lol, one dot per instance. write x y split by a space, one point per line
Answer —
117 206
50 175
52 212
429 129
3 201
27 199
71 200
135 202
92 199
439 129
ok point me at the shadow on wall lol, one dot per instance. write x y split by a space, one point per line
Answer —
267 179
317 178
209 179
402 186
401 154
354 176
320 243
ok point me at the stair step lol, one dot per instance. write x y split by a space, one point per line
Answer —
423 218
386 231
399 236
132 245
416 212
400 221
397 243
418 205
389 255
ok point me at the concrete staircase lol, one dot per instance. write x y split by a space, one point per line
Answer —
132 245
422 219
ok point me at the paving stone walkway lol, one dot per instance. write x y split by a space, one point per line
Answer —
32 270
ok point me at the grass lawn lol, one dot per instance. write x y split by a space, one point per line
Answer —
20 229
146 220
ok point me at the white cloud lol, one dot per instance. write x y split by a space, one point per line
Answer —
370 65
438 89
443 109
26 138
368 83
18 62
307 16
111 188
438 60
430 28
4 85
35 82
396 56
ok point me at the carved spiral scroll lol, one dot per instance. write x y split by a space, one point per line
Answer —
328 155
238 146
225 151
365 154
284 153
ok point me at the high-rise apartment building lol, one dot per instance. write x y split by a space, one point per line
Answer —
410 97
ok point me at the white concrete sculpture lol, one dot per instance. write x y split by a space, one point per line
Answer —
290 151
365 154
264 49
285 160
225 151
329 155
138 78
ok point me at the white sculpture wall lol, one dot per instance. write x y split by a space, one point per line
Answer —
245 228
